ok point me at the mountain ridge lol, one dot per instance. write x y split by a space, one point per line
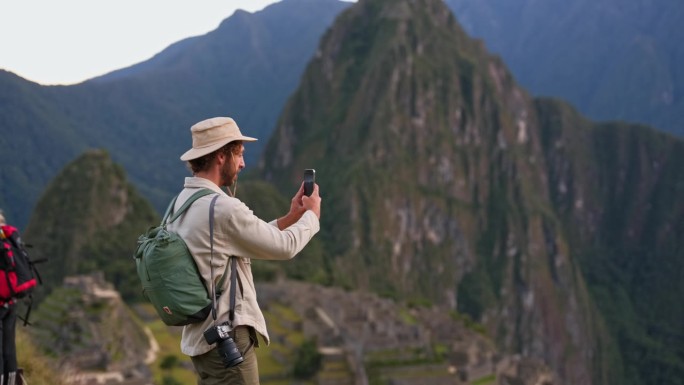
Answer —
157 108
429 203
614 60
89 219
445 187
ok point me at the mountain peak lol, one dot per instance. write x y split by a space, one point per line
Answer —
423 145
389 63
88 216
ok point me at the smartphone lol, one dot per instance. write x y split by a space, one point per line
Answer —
309 180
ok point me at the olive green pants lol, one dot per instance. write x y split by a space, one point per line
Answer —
210 368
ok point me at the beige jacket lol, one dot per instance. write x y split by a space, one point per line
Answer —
238 232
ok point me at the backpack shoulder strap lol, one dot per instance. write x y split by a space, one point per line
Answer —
12 235
171 216
169 210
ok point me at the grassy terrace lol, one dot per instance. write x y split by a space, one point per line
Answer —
275 361
171 367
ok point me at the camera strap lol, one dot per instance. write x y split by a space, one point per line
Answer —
211 258
233 271
233 284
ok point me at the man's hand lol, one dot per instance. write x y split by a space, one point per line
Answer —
296 205
312 202
299 204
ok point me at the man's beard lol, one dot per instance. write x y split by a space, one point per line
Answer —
228 176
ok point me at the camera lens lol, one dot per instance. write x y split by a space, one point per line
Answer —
229 353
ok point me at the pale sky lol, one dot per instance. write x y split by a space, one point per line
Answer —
69 41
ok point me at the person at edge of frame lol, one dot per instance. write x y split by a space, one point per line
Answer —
8 323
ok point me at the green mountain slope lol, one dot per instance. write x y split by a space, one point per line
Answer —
617 189
444 181
434 186
88 220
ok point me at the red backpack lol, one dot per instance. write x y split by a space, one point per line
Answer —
18 273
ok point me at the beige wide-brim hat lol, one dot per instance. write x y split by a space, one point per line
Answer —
211 134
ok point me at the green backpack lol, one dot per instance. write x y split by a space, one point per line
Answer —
169 276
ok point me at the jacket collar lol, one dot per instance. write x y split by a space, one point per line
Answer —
197 182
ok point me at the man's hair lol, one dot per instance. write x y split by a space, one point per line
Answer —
2 218
202 163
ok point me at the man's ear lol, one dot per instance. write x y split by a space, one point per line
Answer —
221 158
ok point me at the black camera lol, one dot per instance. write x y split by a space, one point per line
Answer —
227 350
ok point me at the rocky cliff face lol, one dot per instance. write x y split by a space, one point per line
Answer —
616 189
435 179
444 180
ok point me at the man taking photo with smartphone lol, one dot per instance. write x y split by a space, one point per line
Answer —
216 159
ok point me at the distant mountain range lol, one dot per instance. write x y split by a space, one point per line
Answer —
249 66
246 69
613 59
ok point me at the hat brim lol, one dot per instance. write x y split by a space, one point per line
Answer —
195 153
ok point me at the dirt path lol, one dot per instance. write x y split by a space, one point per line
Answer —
154 347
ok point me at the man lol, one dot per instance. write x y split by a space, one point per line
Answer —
216 159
